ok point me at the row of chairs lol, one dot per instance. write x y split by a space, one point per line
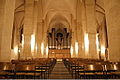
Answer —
92 68
27 69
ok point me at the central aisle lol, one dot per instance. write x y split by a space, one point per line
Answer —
60 72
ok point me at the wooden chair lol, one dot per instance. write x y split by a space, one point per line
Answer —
112 71
91 71
6 70
26 71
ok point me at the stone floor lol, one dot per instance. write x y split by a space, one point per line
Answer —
60 72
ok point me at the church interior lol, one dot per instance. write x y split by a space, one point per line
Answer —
59 39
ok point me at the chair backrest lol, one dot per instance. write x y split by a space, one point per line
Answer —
24 67
115 67
6 66
93 67
111 67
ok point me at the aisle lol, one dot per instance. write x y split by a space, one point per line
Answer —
60 72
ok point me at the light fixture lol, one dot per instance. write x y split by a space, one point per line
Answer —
97 42
71 51
47 51
53 52
91 67
32 44
103 50
42 48
76 48
22 40
16 50
86 43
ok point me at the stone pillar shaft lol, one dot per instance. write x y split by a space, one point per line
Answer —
28 28
91 28
39 39
6 26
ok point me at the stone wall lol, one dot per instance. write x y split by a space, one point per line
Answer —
112 9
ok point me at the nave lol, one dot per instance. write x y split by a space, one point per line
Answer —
69 68
35 34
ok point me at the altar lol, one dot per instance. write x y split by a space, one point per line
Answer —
59 53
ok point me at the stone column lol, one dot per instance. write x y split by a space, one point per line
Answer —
79 27
73 44
92 46
48 36
68 40
6 25
45 44
79 37
40 29
112 11
84 25
50 42
39 38
35 20
91 28
55 44
53 37
65 41
2 5
28 28
62 43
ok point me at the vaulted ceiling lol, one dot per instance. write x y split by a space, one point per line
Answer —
57 11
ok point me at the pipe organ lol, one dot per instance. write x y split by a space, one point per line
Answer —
59 42
59 39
